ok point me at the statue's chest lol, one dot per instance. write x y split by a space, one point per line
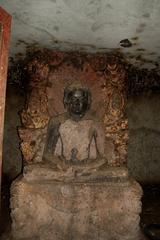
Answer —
75 139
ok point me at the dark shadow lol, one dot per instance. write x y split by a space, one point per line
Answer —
150 216
5 220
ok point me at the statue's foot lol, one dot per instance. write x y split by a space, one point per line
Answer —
91 172
49 172
38 172
110 174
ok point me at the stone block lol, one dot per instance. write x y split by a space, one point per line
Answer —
64 211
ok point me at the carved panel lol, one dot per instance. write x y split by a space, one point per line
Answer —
49 73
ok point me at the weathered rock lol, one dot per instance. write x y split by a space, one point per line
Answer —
56 210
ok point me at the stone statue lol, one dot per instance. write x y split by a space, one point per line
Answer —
75 185
75 143
74 137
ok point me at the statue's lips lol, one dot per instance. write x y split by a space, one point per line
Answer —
77 114
76 109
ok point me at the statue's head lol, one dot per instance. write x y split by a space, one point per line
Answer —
77 100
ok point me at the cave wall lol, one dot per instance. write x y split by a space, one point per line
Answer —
144 137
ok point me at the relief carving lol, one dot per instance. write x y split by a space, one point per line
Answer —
106 77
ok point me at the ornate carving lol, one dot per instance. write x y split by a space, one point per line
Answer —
115 123
35 115
32 145
98 62
115 105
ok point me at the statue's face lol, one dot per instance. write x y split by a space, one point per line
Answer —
78 103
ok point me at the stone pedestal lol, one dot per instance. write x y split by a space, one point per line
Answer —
52 210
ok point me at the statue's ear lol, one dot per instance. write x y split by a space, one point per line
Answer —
66 97
89 99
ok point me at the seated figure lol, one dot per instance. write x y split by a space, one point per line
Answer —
75 144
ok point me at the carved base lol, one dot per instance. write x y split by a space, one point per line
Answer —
80 211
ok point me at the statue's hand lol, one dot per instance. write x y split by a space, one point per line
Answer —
61 164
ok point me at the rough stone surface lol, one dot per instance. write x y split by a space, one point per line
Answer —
91 211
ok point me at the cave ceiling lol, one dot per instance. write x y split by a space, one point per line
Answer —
131 27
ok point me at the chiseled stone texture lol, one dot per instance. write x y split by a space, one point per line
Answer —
66 211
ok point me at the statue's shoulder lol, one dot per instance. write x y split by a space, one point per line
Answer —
97 123
94 118
59 119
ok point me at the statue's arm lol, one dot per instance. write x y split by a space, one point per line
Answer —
51 140
99 136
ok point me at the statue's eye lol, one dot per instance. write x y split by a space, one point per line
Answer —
74 98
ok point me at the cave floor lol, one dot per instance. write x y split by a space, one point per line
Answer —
150 207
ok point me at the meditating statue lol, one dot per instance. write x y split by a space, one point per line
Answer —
75 185
75 143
